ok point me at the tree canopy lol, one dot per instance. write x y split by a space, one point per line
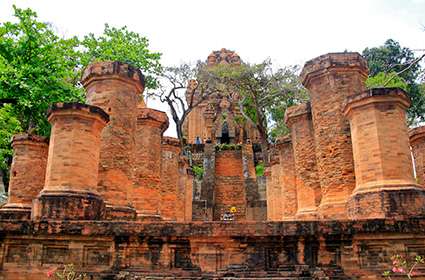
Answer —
38 68
265 94
393 65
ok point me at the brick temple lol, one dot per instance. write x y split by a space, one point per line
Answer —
113 196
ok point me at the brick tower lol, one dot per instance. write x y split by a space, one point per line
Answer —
385 185
72 166
27 175
330 79
116 88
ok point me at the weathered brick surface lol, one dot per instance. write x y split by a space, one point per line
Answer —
288 179
172 197
229 190
116 88
72 165
27 174
274 187
146 194
298 118
330 78
417 142
382 155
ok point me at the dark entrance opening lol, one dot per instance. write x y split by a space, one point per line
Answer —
225 139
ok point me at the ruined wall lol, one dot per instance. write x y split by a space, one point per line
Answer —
229 189
289 250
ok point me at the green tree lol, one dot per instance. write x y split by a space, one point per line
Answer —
122 45
37 68
391 65
9 125
264 95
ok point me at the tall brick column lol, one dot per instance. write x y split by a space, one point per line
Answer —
385 185
115 87
274 187
298 118
330 78
417 142
72 167
288 179
27 175
146 195
172 199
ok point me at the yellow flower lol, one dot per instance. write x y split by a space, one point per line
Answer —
233 209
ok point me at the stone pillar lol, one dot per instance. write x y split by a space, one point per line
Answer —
417 142
27 175
186 188
298 119
330 79
385 185
274 188
116 88
146 195
172 199
72 167
288 179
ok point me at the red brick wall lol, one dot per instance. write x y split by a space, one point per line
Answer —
172 199
229 187
330 79
288 180
417 142
298 119
146 195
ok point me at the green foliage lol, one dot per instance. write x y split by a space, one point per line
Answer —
264 93
259 169
227 147
37 68
9 125
392 58
125 46
383 79
198 171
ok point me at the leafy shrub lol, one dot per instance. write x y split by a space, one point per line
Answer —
259 169
198 171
